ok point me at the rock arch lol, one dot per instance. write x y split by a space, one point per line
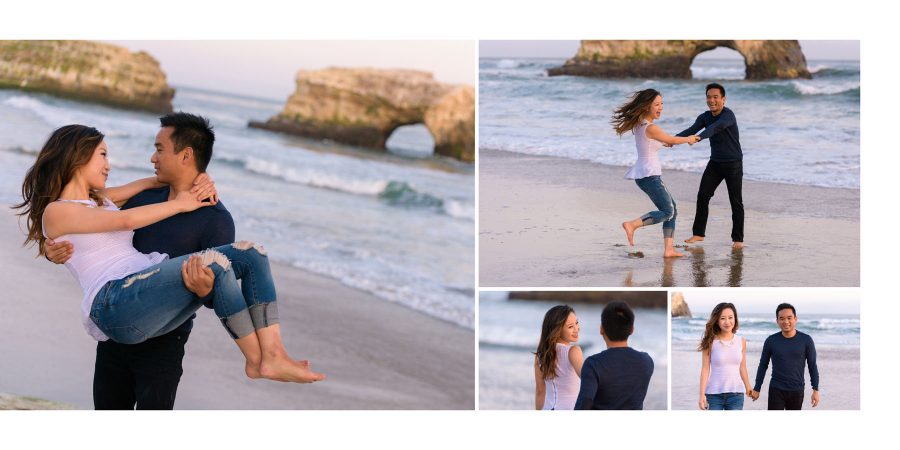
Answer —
364 106
764 60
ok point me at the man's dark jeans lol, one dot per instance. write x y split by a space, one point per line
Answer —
780 400
145 374
733 174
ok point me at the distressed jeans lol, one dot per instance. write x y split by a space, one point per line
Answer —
725 401
155 301
667 212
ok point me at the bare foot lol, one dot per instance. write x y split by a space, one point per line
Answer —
252 370
284 369
693 239
671 253
737 245
629 231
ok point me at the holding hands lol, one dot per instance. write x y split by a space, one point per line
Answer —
754 395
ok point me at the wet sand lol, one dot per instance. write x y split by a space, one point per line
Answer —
547 221
839 378
377 355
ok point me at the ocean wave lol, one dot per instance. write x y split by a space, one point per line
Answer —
811 88
393 192
507 64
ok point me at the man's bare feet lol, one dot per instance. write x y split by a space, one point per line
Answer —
629 229
282 368
693 239
737 245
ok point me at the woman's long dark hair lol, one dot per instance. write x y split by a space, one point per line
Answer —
551 333
67 149
712 325
629 115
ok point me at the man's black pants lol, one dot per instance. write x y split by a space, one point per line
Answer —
145 374
733 174
781 400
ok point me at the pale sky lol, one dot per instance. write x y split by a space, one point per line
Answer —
267 68
764 301
812 49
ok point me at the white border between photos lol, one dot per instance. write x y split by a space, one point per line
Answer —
394 19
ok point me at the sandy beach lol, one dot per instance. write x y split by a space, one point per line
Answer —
549 221
839 378
377 355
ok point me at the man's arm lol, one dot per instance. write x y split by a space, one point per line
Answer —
763 365
588 386
693 129
725 120
811 364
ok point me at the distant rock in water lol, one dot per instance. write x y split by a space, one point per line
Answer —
764 60
363 107
635 299
679 306
9 401
86 71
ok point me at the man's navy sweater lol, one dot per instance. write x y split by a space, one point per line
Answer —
723 135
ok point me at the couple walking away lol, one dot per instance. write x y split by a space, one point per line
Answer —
138 303
723 377
616 378
719 125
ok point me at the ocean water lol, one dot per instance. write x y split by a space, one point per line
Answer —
510 329
804 132
399 225
834 330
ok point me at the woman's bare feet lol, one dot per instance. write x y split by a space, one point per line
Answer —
693 239
629 227
668 244
282 368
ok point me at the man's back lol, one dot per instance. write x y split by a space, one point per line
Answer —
616 378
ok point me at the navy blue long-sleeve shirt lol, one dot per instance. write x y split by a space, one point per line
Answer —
723 135
789 356
616 378
181 234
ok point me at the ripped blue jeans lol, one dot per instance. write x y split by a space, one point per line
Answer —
155 301
654 187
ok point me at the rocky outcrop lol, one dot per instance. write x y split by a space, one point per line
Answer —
86 71
9 401
764 60
363 107
679 306
653 299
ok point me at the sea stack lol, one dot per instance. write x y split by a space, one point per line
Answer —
363 106
86 71
764 60
679 306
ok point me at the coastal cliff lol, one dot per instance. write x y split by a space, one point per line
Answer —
679 306
651 299
764 60
362 107
86 71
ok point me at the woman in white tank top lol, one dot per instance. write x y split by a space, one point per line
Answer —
557 361
723 377
637 116
130 296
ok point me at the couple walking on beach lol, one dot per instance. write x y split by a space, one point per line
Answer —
117 242
719 125
723 377
616 378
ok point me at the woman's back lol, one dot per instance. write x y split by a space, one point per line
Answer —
647 163
562 391
100 258
725 366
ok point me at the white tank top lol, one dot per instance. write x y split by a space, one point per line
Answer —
100 258
647 163
562 392
725 366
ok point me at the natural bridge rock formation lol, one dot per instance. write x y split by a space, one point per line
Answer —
672 59
87 71
364 106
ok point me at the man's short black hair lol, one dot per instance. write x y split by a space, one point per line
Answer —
617 320
715 86
785 306
191 131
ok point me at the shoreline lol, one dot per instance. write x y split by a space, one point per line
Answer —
550 221
376 354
